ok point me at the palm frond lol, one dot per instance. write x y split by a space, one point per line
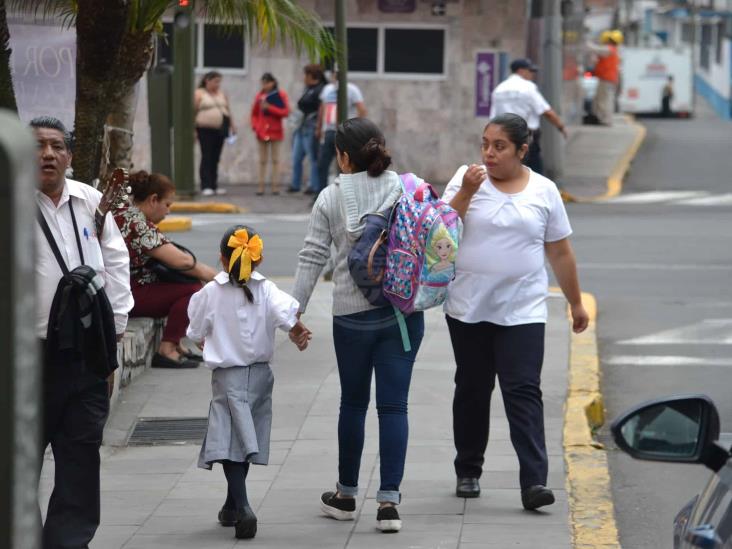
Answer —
44 10
274 21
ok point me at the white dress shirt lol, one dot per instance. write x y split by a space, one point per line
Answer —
109 256
519 96
500 273
237 332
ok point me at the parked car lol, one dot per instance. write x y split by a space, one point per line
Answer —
685 429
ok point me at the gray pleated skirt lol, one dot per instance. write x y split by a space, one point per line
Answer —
240 415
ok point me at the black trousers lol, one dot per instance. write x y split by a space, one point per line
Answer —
211 141
515 355
534 159
76 405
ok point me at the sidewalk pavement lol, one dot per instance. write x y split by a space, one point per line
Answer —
156 497
592 156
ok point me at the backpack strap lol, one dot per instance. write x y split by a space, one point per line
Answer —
52 243
403 329
409 183
419 194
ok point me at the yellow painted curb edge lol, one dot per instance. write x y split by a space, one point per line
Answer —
592 513
204 207
615 180
175 224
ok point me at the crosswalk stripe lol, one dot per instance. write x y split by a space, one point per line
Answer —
714 200
657 196
647 360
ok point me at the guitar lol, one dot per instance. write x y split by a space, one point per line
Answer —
115 189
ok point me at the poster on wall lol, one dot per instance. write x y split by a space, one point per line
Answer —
397 6
43 65
490 69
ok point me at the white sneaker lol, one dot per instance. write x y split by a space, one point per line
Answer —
220 191
207 192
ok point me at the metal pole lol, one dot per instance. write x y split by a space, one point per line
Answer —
20 375
183 68
552 142
342 58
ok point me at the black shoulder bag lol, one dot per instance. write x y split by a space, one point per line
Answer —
81 321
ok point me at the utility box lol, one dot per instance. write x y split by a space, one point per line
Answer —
160 112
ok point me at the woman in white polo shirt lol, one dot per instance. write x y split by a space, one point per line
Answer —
496 307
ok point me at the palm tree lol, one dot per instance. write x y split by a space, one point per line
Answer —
115 47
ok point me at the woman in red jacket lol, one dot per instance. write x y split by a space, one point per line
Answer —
270 106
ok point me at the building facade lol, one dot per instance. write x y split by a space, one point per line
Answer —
416 62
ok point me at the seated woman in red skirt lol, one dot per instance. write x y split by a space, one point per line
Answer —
149 203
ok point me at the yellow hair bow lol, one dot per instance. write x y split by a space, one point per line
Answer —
249 249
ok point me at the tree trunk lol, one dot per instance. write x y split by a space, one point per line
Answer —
7 94
100 27
135 55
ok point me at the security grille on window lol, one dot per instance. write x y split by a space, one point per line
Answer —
414 51
706 44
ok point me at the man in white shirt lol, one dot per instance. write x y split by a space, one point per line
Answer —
518 94
328 122
76 400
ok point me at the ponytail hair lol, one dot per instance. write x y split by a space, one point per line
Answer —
235 268
143 184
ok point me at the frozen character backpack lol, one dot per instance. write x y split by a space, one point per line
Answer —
423 242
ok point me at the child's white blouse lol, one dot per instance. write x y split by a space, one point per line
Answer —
237 332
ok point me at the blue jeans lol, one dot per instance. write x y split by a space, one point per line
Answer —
364 343
304 143
325 158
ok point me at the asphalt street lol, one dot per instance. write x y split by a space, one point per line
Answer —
659 261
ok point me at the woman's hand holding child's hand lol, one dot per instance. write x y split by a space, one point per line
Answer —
300 335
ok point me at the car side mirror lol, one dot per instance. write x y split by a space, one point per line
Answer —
680 429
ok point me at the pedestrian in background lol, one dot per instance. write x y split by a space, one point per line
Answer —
518 94
148 204
304 142
213 125
496 306
270 106
367 339
667 95
607 71
75 385
328 122
237 315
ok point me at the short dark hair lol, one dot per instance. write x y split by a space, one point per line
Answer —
515 127
315 71
365 145
52 123
208 76
269 77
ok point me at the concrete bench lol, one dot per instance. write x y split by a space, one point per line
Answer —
135 351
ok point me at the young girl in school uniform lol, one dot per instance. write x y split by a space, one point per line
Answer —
236 314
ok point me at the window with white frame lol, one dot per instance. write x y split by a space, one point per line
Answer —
216 47
396 51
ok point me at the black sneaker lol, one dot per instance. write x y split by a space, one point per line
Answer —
246 524
337 508
227 517
536 496
387 520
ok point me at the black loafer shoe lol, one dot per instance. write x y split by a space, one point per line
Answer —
536 496
246 524
227 517
337 508
160 361
467 487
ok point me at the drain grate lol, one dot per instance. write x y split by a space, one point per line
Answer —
159 431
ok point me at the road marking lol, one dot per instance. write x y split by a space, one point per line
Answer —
714 200
655 197
201 220
648 360
654 267
712 331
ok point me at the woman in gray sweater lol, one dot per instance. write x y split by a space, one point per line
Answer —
367 339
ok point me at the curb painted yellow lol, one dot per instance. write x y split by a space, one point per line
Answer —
175 224
615 180
204 207
592 513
